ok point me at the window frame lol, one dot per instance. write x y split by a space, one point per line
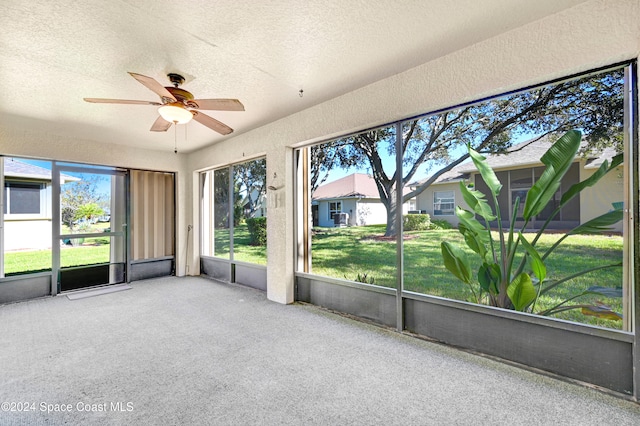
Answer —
333 212
441 212
42 200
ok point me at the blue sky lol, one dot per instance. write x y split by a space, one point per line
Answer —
105 182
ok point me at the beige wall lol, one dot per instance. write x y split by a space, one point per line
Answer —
27 234
598 199
424 201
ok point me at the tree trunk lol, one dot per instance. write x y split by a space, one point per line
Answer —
390 205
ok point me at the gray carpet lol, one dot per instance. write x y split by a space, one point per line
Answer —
195 351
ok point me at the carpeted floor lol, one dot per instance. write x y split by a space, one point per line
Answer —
194 351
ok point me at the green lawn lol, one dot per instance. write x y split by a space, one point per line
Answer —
92 252
242 248
347 252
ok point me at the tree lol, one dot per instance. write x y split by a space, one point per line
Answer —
251 178
592 104
89 211
221 200
75 195
324 158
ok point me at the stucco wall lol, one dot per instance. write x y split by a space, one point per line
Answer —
27 234
371 212
361 212
599 199
424 201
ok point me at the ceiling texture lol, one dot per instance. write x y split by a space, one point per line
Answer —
55 53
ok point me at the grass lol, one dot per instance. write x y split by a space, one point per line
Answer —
242 249
92 251
347 252
21 262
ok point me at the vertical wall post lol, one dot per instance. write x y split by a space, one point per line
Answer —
399 231
232 218
633 209
55 227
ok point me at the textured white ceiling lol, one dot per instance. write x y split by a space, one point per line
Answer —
54 53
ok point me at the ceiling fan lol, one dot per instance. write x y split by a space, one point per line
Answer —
177 106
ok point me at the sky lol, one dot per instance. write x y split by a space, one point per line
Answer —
105 182
389 164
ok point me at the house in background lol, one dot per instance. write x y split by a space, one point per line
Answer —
254 204
26 205
517 170
356 195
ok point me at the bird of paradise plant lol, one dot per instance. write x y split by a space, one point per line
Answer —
502 280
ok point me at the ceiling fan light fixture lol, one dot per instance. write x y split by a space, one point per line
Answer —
175 112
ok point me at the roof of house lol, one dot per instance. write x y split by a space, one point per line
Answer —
19 169
524 154
355 185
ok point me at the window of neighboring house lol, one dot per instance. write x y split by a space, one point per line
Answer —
520 182
334 207
22 198
443 203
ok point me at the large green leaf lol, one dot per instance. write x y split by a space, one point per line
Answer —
537 265
521 291
475 234
456 261
477 201
469 220
591 180
598 224
557 160
486 171
473 240
613 292
601 311
489 277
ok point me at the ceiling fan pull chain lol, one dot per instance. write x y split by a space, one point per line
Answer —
175 137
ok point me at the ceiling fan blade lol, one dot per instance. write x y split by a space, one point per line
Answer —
219 104
160 125
154 86
120 101
211 123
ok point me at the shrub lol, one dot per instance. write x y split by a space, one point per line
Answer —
257 231
416 222
439 224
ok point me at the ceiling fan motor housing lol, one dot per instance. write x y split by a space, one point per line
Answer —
175 79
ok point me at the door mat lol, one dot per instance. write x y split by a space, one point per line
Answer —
83 294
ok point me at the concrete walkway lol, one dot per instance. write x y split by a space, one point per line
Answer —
194 351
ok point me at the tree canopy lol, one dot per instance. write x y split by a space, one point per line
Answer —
81 198
251 178
593 104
